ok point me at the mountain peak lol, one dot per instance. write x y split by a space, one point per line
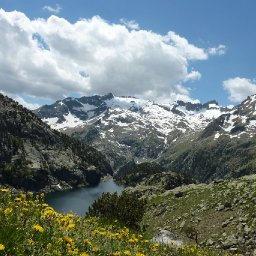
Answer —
127 125
190 106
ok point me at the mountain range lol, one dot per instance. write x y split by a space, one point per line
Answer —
203 141
127 128
48 149
160 151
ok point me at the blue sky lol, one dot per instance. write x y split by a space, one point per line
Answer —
205 24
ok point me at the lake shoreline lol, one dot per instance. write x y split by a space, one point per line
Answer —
79 199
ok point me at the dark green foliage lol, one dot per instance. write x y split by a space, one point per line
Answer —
209 159
133 174
191 232
126 208
32 155
150 174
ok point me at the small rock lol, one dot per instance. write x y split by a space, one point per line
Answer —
225 223
179 194
209 242
182 224
233 250
220 208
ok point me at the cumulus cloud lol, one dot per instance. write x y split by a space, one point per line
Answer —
131 24
184 48
220 50
194 75
239 88
52 57
21 101
26 104
52 9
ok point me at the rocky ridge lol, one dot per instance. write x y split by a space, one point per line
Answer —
35 157
225 148
127 128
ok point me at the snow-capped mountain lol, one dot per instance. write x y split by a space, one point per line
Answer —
127 128
225 148
236 123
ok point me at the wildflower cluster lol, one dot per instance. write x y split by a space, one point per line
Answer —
28 226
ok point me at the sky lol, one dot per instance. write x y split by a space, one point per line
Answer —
161 50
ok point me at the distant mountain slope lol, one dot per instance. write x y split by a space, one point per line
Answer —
226 148
126 128
35 157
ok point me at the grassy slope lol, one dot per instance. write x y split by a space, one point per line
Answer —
30 227
201 208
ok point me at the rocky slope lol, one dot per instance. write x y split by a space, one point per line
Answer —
219 215
150 175
35 157
225 148
127 128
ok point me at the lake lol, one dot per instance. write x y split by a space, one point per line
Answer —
78 200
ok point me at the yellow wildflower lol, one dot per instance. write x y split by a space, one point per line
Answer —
4 190
38 228
131 240
84 254
2 247
87 242
68 240
30 241
70 226
7 211
117 253
128 253
95 249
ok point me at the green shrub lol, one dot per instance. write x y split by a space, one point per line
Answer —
191 232
126 208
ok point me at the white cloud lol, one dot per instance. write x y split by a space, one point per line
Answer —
194 75
52 57
26 104
21 101
131 24
184 48
239 88
220 50
52 9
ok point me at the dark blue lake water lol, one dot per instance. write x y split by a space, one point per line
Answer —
78 200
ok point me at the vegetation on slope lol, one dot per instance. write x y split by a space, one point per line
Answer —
127 208
221 214
35 157
150 174
28 226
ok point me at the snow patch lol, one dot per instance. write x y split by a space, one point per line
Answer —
217 135
85 107
51 121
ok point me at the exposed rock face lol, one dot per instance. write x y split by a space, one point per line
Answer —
202 141
226 148
35 157
127 128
